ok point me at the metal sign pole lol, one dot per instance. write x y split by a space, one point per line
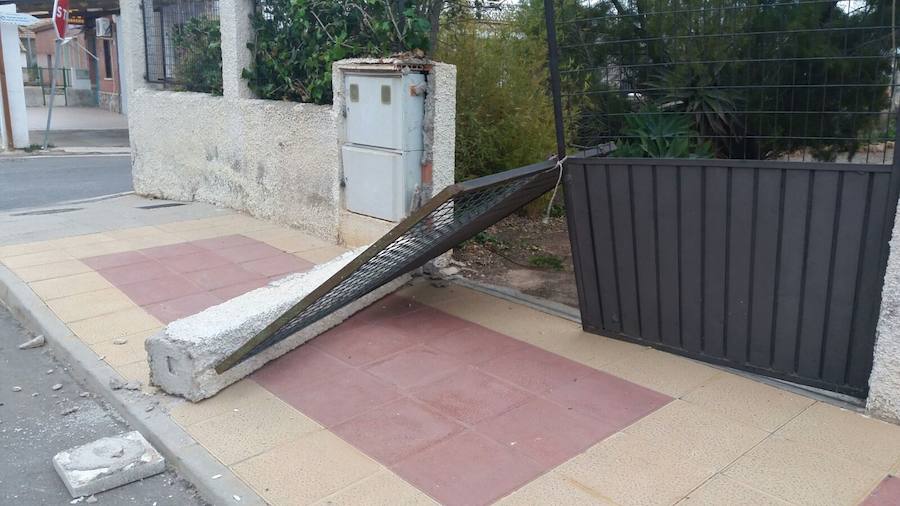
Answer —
52 91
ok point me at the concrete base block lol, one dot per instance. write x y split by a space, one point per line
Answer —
107 463
183 356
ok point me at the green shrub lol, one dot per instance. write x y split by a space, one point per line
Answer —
298 40
547 261
659 135
198 44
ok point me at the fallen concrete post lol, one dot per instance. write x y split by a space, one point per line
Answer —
107 463
183 356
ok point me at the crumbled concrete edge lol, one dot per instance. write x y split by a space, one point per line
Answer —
884 381
193 462
183 356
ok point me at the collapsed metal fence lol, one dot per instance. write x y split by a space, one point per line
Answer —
795 80
456 214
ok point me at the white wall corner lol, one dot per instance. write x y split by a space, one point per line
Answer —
884 382
442 90
15 85
236 29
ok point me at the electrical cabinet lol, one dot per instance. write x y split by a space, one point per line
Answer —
383 148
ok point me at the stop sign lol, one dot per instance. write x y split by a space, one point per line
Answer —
60 17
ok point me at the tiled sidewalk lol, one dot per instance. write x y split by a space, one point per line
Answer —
450 395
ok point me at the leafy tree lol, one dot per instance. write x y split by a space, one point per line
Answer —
198 43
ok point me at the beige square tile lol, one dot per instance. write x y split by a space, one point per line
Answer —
97 249
720 490
25 248
322 255
590 349
88 305
305 469
846 433
240 223
121 354
288 240
629 470
251 428
50 271
152 241
133 233
32 259
234 397
81 240
137 371
663 372
204 233
182 226
802 475
383 489
748 401
555 489
118 324
697 434
70 285
426 293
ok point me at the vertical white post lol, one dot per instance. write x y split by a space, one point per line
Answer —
15 84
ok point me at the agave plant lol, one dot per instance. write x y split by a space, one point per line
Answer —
656 134
694 90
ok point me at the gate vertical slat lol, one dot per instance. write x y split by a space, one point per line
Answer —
667 213
623 243
740 253
848 242
715 274
643 202
765 264
587 283
690 229
818 270
605 261
788 298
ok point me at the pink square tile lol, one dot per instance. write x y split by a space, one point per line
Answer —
159 289
545 431
361 344
608 398
475 344
176 309
535 370
397 430
114 260
467 469
194 261
414 366
132 273
249 251
299 368
277 265
230 292
427 323
172 250
471 396
387 307
222 276
887 493
227 241
340 398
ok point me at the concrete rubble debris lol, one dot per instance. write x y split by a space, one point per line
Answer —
91 500
49 371
183 356
120 340
132 385
107 463
16 389
56 386
84 394
35 342
68 411
116 384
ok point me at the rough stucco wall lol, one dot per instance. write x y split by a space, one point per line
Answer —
884 383
442 86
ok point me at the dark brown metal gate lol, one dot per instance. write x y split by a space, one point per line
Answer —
771 267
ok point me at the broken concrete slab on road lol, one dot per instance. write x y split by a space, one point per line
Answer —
107 463
183 356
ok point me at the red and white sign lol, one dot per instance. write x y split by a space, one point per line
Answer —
60 17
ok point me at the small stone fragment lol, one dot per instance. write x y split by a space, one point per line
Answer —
34 394
116 384
68 411
84 394
120 340
49 371
149 408
237 498
56 386
449 271
92 499
35 342
132 385
16 389
216 476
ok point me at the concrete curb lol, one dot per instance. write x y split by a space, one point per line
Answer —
187 456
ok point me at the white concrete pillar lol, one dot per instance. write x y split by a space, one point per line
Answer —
130 38
15 85
234 19
884 383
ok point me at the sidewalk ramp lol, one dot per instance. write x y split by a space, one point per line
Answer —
198 356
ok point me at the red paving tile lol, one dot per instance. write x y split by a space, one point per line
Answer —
427 323
160 289
608 398
228 241
222 276
230 292
536 370
340 398
249 251
298 369
397 430
175 309
475 344
468 469
194 261
471 396
277 265
544 432
887 493
362 344
114 260
172 250
414 366
392 306
133 273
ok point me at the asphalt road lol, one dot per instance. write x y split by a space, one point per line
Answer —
39 181
32 430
